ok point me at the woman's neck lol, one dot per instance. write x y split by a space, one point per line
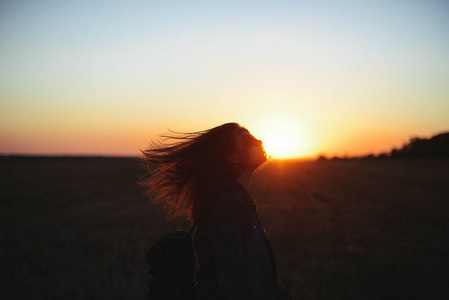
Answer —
245 178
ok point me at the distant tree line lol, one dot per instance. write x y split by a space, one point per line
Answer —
435 147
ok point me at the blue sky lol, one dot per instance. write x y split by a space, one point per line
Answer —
105 77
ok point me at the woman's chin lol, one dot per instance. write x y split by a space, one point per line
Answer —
264 156
262 159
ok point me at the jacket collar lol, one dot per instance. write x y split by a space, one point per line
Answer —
243 195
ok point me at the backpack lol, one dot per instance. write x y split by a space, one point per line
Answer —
172 267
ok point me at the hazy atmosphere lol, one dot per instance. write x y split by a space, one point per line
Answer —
334 77
362 87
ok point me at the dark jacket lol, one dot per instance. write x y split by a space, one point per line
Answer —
236 260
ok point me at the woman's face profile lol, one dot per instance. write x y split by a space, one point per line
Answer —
249 149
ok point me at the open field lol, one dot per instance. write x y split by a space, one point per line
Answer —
375 229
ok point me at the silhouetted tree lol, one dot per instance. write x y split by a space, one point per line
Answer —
322 157
435 147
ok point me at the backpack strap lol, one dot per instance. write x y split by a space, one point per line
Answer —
197 264
192 228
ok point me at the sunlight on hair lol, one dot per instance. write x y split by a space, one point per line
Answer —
283 138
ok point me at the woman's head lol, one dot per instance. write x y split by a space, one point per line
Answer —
191 169
248 151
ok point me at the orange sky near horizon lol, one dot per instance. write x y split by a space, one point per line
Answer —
111 138
310 78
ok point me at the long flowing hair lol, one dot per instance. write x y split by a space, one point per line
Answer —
186 174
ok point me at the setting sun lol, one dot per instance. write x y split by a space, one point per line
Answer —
283 138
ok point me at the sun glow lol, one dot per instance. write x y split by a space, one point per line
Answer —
283 138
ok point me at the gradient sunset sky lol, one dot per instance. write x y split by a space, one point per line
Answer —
334 77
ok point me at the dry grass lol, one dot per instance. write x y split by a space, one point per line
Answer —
79 228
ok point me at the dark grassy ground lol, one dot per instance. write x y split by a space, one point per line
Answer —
379 229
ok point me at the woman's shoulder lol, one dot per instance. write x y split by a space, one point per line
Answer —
227 199
226 215
227 203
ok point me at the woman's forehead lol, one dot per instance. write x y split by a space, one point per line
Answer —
242 133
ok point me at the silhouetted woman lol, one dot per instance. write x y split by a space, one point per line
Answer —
203 176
